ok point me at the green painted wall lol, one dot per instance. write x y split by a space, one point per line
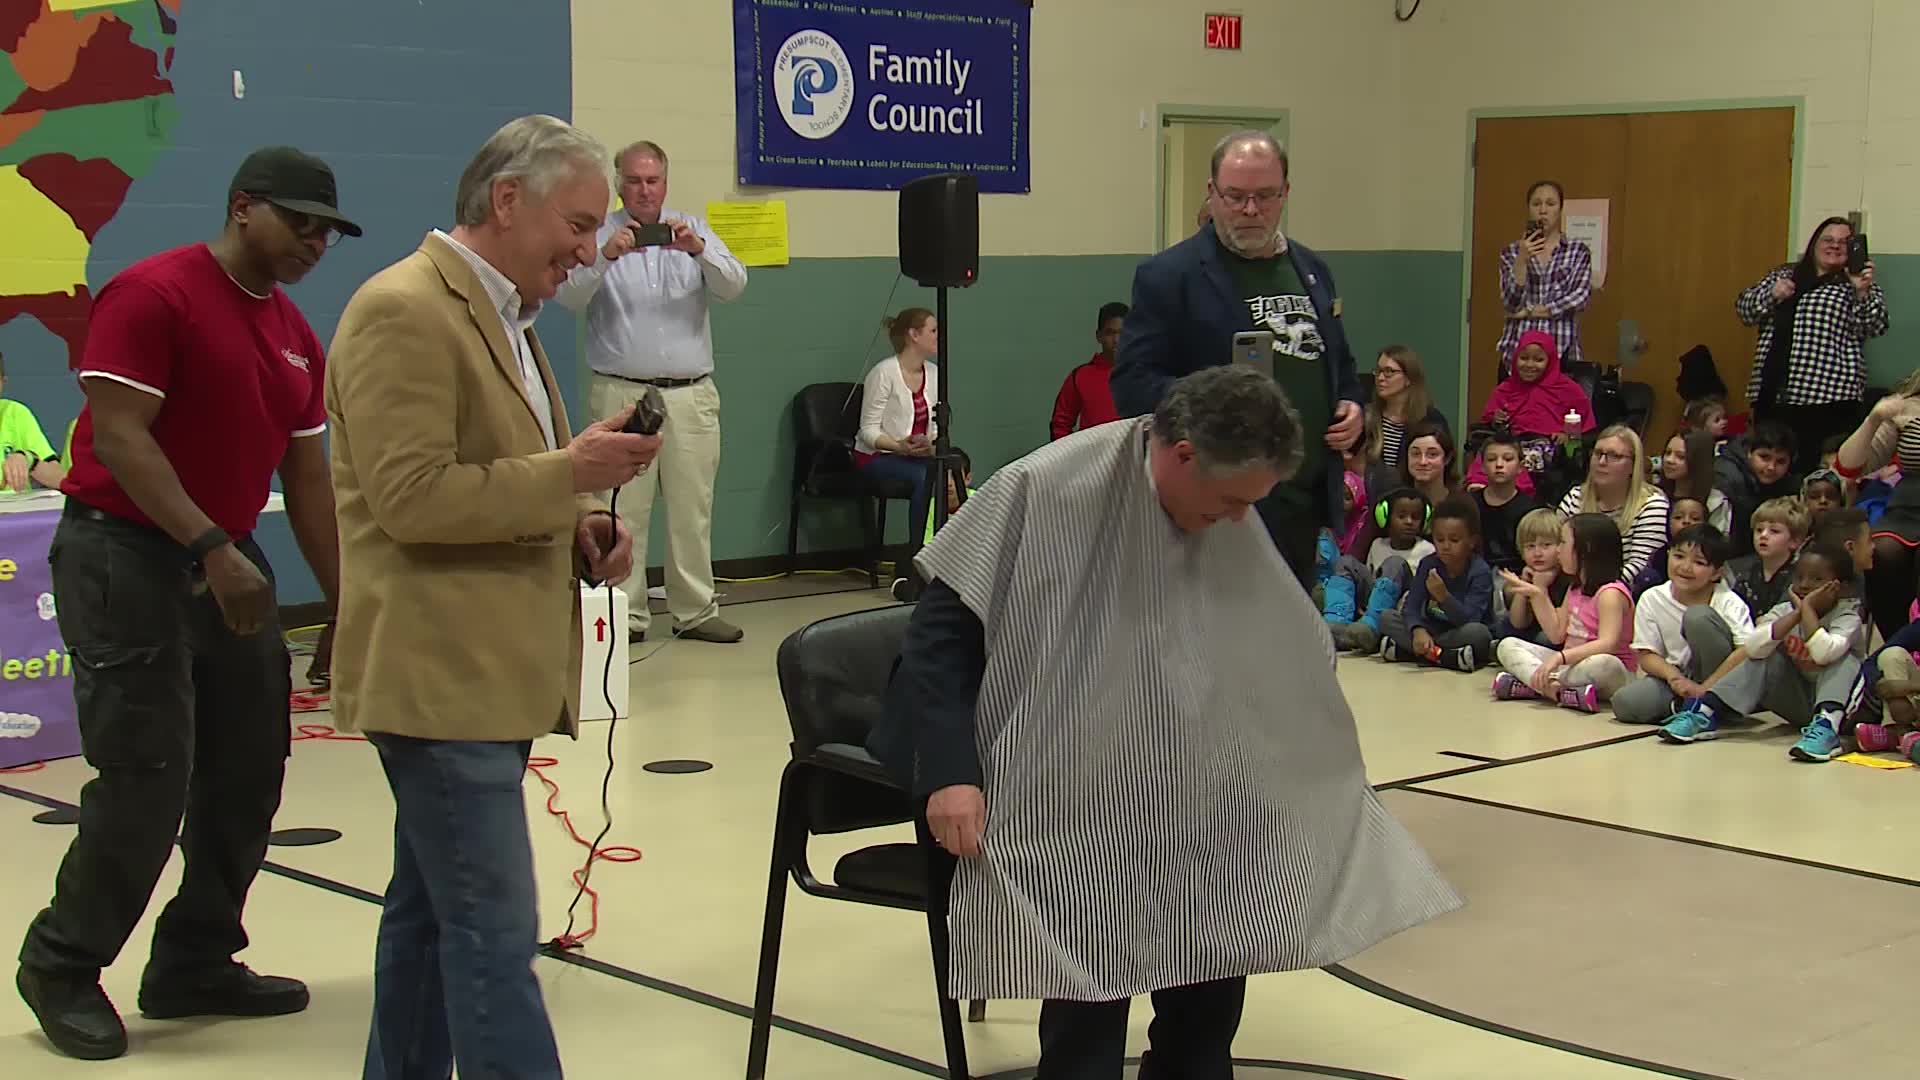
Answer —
1013 337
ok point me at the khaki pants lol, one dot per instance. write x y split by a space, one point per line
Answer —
689 458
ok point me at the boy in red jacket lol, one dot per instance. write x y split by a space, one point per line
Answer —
1085 399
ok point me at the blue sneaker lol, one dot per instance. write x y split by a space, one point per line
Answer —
1818 742
1689 725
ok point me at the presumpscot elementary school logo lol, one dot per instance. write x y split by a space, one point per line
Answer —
813 82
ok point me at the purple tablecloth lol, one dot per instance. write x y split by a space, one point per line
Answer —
36 676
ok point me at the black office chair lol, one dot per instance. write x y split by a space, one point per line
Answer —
833 675
825 418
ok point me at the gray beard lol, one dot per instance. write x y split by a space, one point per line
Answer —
1267 247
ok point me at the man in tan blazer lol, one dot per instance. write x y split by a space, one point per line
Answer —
463 525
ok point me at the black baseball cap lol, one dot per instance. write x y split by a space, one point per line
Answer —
293 179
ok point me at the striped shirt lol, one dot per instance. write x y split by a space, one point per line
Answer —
1393 442
1640 538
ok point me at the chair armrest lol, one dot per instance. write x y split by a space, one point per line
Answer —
849 760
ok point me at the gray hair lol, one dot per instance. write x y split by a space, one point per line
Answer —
1235 417
540 150
646 147
1249 139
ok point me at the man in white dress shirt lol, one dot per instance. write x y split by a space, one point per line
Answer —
647 325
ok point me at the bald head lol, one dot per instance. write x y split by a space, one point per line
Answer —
1249 144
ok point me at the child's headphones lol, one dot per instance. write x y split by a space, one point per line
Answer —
1382 509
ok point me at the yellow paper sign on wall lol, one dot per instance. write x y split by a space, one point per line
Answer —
756 232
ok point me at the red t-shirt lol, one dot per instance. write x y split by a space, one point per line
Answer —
1085 399
240 376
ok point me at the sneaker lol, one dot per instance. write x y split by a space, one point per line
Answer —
1818 742
1508 688
1585 698
230 990
1389 651
1460 659
1871 738
1907 744
1689 725
74 1013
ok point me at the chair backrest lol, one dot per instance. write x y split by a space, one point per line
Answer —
826 417
826 412
833 678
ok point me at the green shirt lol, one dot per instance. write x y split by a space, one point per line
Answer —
1277 301
20 434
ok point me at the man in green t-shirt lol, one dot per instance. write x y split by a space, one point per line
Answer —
1239 273
27 455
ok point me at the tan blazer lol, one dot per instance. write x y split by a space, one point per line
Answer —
459 611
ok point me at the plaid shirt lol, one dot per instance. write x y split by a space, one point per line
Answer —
1830 324
1563 287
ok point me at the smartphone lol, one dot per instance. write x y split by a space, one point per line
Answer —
1857 253
1254 348
1533 228
657 235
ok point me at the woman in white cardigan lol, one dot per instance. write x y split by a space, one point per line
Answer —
897 430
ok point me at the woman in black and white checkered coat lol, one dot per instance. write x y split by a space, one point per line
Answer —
1814 317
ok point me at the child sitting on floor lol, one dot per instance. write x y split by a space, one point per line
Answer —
1683 513
1822 491
1800 663
1683 629
1591 631
1383 577
1443 620
1501 503
1539 540
1761 578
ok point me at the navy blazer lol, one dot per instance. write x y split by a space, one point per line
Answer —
1186 309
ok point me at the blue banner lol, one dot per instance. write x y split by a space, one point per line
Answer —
839 94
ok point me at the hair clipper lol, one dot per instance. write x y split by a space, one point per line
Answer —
649 414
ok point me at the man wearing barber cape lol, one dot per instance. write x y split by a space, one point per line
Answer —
1135 743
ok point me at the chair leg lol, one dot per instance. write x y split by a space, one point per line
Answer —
784 836
793 532
976 1011
939 879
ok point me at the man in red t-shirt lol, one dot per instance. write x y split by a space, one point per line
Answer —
1085 398
202 379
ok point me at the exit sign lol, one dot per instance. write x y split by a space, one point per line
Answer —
1223 31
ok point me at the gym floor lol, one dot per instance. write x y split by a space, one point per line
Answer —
1634 908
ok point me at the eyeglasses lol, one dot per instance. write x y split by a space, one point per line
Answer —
1385 372
1612 457
1259 200
306 226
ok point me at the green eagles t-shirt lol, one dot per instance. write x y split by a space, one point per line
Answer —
1277 302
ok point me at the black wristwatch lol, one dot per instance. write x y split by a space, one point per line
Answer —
207 542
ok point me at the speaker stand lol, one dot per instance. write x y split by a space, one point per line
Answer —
943 464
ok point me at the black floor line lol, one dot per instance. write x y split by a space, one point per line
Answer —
1733 849
1482 758
1252 1063
1501 763
1378 989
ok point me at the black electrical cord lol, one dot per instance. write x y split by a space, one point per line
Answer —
613 723
1410 13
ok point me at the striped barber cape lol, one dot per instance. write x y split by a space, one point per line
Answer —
1174 786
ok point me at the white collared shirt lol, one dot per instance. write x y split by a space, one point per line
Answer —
647 311
517 318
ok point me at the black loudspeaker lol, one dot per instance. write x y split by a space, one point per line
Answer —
940 230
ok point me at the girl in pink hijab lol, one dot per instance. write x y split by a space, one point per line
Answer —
1538 403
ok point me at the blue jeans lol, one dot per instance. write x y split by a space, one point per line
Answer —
910 470
453 972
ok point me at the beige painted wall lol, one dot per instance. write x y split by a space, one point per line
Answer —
1100 68
1850 59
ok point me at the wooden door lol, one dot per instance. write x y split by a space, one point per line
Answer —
1588 156
1712 199
1698 209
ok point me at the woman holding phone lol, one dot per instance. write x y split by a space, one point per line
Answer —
1814 316
1546 279
895 440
